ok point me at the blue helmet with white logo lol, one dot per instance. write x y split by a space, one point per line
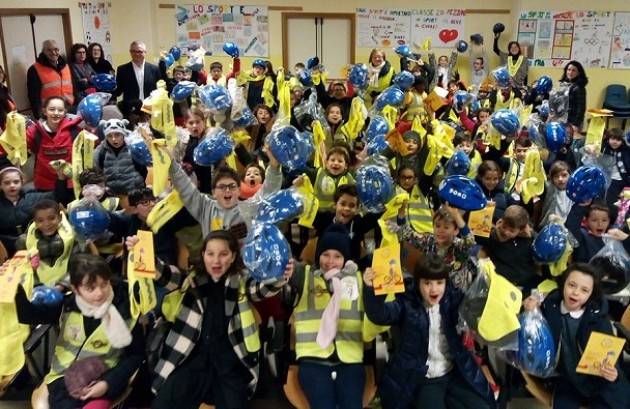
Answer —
462 192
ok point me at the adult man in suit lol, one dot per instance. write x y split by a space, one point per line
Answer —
136 79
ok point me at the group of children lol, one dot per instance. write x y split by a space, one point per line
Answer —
211 348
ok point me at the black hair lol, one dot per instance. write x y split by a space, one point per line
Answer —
488 166
431 267
76 47
233 245
140 195
225 172
92 177
91 48
46 204
599 206
581 79
257 166
91 266
345 189
587 269
216 64
47 101
520 50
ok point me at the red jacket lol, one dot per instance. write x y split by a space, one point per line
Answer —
47 148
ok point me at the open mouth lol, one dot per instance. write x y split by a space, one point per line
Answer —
252 182
434 298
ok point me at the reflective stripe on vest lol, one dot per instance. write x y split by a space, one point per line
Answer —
308 313
326 186
249 327
55 83
46 274
512 175
475 161
72 345
419 213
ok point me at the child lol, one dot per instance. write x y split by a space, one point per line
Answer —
196 126
419 212
489 178
180 73
260 83
574 311
326 180
211 352
463 141
335 123
253 180
445 70
216 75
513 167
114 159
413 143
258 132
619 152
447 224
590 237
555 201
96 324
49 241
430 365
510 248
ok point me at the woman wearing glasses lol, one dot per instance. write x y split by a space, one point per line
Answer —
82 71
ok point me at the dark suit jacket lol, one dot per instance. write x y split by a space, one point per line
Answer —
128 86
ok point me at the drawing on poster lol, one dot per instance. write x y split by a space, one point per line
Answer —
443 27
562 39
620 46
96 25
382 27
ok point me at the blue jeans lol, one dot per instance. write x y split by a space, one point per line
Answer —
323 392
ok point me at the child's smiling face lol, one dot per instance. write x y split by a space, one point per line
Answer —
336 164
253 176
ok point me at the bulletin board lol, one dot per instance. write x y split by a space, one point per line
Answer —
96 26
620 48
391 27
551 38
210 26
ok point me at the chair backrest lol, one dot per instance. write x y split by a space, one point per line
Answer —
616 92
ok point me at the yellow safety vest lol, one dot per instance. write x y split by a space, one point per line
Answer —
500 103
46 274
419 213
511 177
326 186
415 106
72 345
383 82
475 161
308 313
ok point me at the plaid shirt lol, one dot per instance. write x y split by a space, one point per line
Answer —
186 329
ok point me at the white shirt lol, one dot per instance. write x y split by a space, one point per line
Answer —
139 71
439 360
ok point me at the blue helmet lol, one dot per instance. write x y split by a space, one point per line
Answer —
390 96
536 347
378 127
266 252
404 80
462 46
462 192
231 49
183 90
458 164
375 187
213 148
176 52
543 85
89 220
505 121
476 39
244 118
555 136
550 243
305 78
403 50
140 152
91 109
586 183
48 296
259 62
290 147
502 76
461 99
284 205
498 28
104 82
215 97
312 63
376 145
358 76
169 60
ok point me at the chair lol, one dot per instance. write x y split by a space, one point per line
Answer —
616 100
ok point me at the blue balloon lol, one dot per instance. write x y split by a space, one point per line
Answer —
458 164
505 121
375 187
48 296
169 60
176 52
104 82
305 78
244 118
91 109
231 49
462 46
390 96
404 80
312 62
140 152
403 50
90 221
378 127
462 192
543 85
290 147
502 76
586 183
215 97
358 76
213 148
284 205
266 252
550 243
182 90
555 136
536 347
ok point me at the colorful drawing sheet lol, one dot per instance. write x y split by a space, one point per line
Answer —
96 25
601 349
388 277
210 26
620 46
444 27
12 275
552 38
144 256
383 27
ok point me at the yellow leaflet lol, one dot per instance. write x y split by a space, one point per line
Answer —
13 139
161 163
164 210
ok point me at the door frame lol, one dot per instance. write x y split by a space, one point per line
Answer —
65 19
333 16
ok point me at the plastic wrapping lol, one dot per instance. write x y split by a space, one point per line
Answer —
281 206
550 243
91 107
310 110
534 123
462 99
543 110
48 296
176 52
358 76
543 85
613 262
231 49
240 114
182 90
458 164
89 218
375 185
213 148
138 148
376 145
312 63
216 98
169 60
462 192
290 147
392 96
378 127
195 59
266 252
501 76
404 80
305 78
586 183
104 82
505 122
559 103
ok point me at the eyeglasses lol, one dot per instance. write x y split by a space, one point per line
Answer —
224 188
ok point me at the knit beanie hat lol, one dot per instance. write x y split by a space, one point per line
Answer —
411 135
335 237
114 125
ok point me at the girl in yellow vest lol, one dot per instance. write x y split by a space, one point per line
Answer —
99 346
49 242
335 172
329 325
211 352
260 83
489 178
380 73
419 213
335 123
